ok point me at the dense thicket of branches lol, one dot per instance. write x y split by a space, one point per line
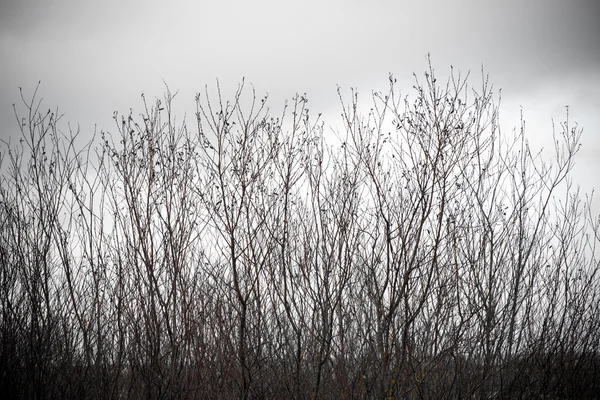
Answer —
422 253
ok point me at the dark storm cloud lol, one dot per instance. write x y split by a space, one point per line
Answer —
303 45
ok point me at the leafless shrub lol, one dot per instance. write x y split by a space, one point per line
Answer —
424 253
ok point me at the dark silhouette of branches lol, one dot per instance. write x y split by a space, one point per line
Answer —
423 252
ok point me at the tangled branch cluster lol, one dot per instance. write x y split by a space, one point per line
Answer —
422 253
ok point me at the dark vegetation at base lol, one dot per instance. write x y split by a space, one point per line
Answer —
423 253
449 377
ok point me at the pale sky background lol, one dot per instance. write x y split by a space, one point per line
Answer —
94 58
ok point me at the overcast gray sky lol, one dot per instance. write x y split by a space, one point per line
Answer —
94 58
